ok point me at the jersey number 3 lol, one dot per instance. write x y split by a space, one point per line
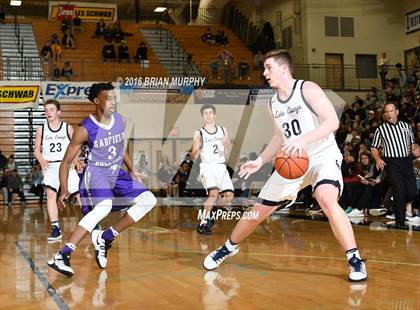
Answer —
292 128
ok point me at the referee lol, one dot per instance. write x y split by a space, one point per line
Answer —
397 139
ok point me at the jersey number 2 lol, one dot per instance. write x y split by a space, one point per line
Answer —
293 127
215 149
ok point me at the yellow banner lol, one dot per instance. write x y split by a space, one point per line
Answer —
84 13
18 94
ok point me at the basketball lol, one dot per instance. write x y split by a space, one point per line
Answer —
291 166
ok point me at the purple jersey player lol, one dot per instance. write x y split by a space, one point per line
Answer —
105 186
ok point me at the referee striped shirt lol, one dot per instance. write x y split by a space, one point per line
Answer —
396 139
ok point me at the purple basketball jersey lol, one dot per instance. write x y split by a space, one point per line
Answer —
106 142
103 177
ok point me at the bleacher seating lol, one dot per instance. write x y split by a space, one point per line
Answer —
86 59
190 38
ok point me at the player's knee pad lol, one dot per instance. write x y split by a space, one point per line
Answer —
101 210
143 203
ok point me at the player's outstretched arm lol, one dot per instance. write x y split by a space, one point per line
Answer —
79 137
38 155
323 108
195 149
267 155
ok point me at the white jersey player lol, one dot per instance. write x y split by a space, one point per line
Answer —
303 117
212 143
51 141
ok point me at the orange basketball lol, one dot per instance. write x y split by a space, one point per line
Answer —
291 166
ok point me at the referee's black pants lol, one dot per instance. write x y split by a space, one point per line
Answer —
403 184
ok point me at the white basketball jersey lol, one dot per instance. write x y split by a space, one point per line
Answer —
54 143
212 149
294 117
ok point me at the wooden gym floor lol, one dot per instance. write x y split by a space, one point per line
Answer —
287 263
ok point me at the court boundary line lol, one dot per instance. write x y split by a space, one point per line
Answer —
42 278
317 257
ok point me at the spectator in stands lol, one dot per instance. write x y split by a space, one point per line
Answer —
352 188
66 24
243 69
35 178
227 59
56 51
383 69
3 184
55 72
188 65
180 179
164 175
214 69
3 161
259 61
67 71
46 51
108 52
77 23
11 164
68 39
220 38
143 167
371 102
117 32
15 185
187 160
123 54
402 78
2 14
100 28
208 37
108 34
370 190
54 39
141 53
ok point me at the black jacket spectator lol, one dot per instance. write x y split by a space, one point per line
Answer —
3 161
141 53
123 52
108 52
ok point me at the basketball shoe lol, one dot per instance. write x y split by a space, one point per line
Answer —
101 248
204 229
358 270
61 263
215 258
55 234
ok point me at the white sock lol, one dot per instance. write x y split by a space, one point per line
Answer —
353 252
230 246
114 232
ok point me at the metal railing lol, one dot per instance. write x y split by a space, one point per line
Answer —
326 76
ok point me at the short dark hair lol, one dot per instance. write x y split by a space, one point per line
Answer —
54 102
281 57
398 65
207 106
389 103
96 89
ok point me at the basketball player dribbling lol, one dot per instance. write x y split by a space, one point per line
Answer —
105 186
211 142
303 118
51 141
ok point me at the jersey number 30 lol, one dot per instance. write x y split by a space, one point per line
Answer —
293 127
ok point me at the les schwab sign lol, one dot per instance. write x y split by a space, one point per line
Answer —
86 11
